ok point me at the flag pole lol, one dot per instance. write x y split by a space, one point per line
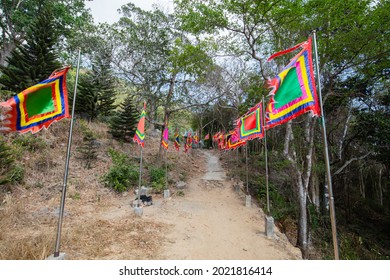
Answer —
139 181
326 152
246 163
63 195
166 169
266 159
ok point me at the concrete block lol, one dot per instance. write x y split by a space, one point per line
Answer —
138 211
167 193
248 201
269 226
61 257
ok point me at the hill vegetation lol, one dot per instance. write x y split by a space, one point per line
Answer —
200 69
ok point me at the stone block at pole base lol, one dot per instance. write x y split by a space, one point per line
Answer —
60 257
248 201
269 226
167 193
138 211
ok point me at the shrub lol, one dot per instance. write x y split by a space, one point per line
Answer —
157 178
122 173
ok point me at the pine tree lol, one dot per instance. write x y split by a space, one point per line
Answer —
88 151
34 61
104 82
124 123
87 98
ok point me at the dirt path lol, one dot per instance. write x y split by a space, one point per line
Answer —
211 222
206 219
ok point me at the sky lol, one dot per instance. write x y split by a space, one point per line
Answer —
106 10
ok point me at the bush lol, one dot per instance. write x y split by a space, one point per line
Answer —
30 142
122 174
157 179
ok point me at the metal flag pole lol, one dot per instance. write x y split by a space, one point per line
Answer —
266 159
329 176
246 163
139 181
166 169
63 196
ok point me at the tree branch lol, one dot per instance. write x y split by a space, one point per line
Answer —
349 162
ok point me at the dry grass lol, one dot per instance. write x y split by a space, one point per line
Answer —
29 214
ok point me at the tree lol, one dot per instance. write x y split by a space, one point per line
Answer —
72 19
124 123
87 98
34 61
354 51
104 83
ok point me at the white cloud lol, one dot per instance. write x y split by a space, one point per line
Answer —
107 10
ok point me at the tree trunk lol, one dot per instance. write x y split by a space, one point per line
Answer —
5 52
167 105
380 187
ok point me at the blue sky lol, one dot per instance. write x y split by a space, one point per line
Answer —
106 10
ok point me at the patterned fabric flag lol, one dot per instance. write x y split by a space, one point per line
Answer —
293 90
164 140
233 141
188 144
196 138
177 140
250 125
221 141
216 136
139 135
38 106
207 137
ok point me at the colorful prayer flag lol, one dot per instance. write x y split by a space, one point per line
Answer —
293 90
164 140
139 135
233 141
207 137
38 106
188 144
196 138
177 140
221 141
250 125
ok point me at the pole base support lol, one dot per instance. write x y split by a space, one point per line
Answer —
248 201
61 257
269 226
138 211
167 193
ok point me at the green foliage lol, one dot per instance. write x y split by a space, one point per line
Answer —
122 174
6 162
32 143
124 123
104 82
280 207
87 98
157 178
88 150
34 61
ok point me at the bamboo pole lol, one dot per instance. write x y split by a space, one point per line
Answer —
326 153
266 159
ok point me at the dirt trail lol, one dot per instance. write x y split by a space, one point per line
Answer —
211 221
206 219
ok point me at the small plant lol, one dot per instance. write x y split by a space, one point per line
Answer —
122 174
88 151
157 178
30 142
